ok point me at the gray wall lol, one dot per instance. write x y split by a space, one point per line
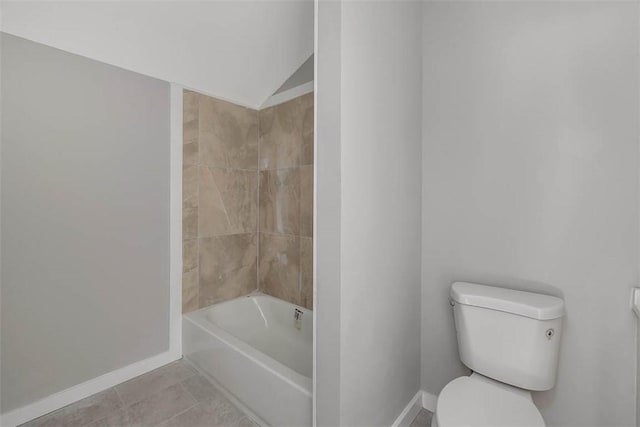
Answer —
85 220
381 185
327 204
530 166
379 141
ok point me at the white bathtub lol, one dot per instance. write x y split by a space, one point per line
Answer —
252 347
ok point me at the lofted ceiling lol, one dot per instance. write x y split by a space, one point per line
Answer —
238 50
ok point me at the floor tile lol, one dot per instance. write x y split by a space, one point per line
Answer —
225 412
145 385
174 395
245 422
160 406
81 413
218 412
118 418
197 416
423 419
201 388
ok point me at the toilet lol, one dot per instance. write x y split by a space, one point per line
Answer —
510 340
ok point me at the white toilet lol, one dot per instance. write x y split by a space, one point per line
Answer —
511 341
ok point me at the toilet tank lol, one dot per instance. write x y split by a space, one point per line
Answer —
508 335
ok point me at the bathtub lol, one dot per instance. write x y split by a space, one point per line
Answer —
254 348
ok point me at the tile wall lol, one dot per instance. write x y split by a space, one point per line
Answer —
247 201
285 258
220 201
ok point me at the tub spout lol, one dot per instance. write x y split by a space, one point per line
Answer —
297 318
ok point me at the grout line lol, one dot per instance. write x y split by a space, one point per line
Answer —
197 142
225 235
285 168
187 390
258 187
227 168
122 404
299 271
276 233
165 422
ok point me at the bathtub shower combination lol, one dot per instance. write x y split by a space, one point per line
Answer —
260 349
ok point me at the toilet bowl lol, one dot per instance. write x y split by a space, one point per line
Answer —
480 401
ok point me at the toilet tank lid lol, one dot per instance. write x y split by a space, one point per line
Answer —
528 304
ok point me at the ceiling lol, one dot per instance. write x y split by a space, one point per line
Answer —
238 50
303 75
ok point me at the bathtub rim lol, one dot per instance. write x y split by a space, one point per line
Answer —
295 379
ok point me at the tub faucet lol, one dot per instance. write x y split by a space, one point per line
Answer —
297 318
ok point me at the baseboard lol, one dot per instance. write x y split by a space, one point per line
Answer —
409 413
429 401
85 389
421 400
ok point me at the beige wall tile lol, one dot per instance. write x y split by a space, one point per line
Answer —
189 202
190 152
306 201
280 135
286 134
280 201
190 300
306 272
228 134
190 101
190 128
307 129
189 221
227 267
220 200
190 184
280 266
189 254
228 201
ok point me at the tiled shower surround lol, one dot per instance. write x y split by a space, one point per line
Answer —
247 201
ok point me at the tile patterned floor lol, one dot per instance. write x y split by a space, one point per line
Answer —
175 395
423 419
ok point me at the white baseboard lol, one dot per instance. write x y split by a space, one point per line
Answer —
409 413
421 400
429 401
85 389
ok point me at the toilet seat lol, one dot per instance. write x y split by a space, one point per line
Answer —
479 401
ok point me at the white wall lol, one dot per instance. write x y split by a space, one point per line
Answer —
327 203
378 72
530 180
85 220
241 51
